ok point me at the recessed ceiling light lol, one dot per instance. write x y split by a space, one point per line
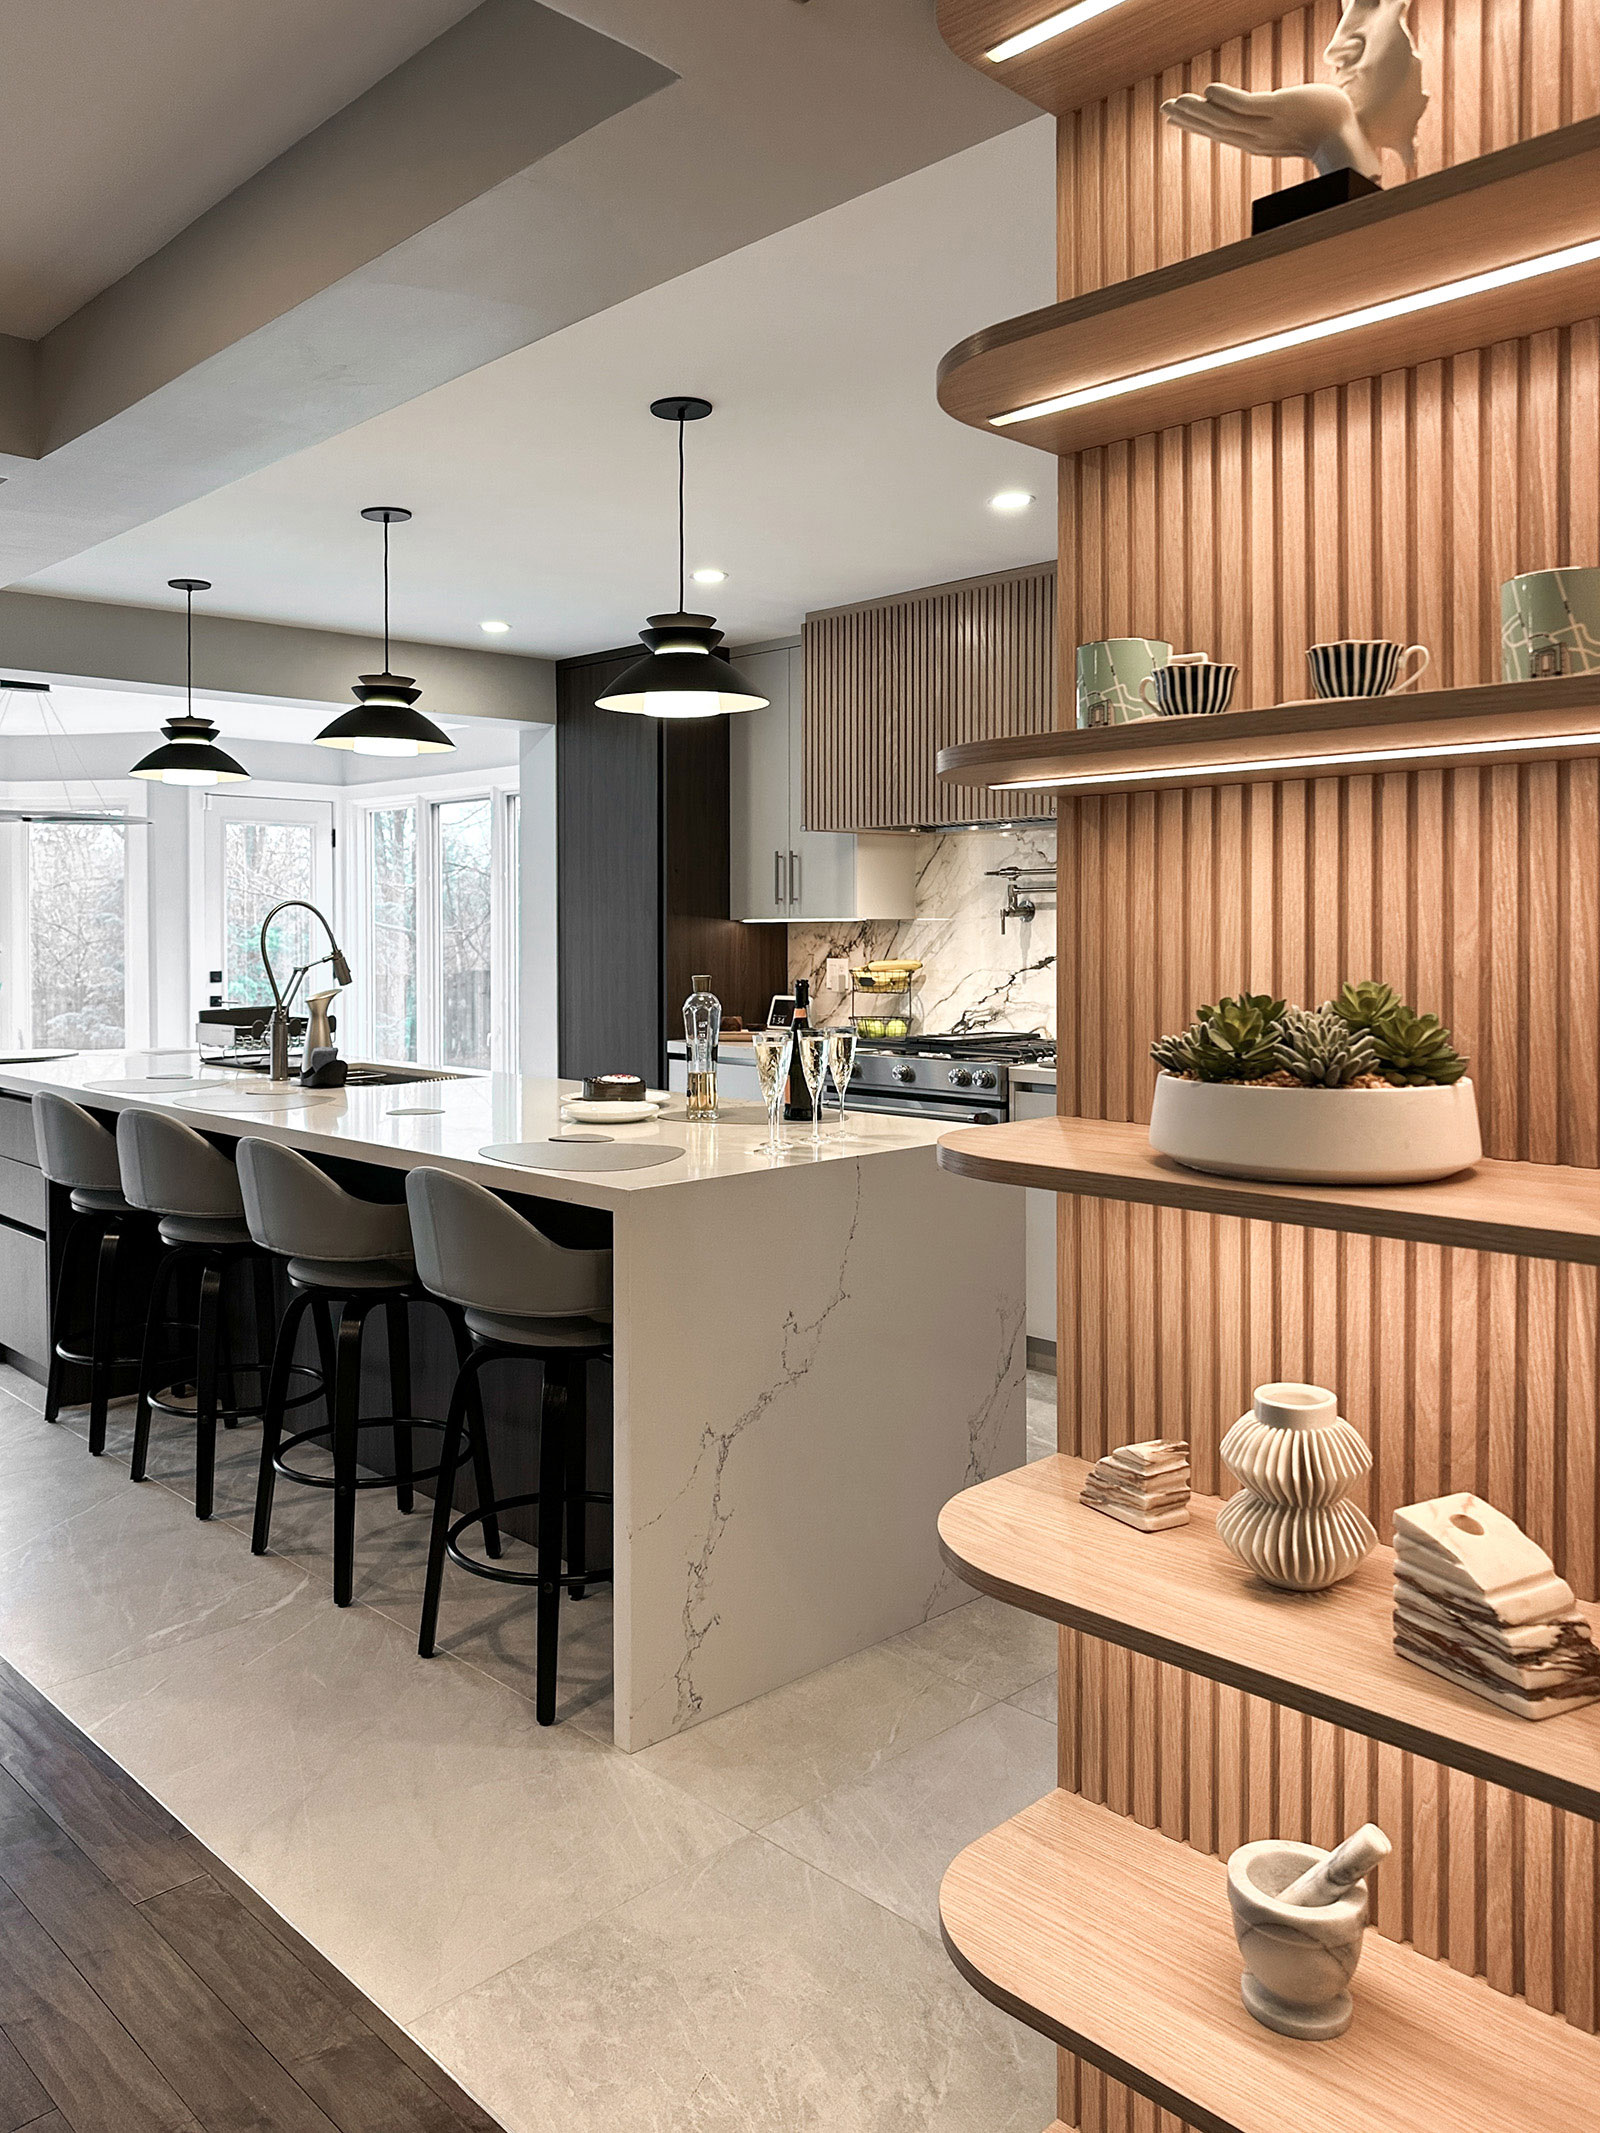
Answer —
1327 329
1010 500
1056 25
495 629
709 576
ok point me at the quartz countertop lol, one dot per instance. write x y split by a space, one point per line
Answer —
448 1122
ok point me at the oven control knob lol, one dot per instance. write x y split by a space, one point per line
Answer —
904 1072
987 1078
961 1077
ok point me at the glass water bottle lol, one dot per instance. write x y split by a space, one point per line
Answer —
702 1026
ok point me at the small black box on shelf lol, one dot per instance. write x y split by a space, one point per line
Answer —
1273 210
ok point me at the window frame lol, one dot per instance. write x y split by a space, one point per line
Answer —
120 795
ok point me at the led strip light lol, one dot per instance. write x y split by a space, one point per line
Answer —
1355 761
1449 292
1052 26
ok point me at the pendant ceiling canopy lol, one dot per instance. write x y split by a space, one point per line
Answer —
682 675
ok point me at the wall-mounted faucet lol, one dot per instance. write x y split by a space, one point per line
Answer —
278 1023
1023 884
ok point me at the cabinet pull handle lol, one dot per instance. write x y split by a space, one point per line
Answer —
778 896
794 877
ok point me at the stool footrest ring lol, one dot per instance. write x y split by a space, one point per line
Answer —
324 1435
481 1569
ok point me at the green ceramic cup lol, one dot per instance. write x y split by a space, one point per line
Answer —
1550 624
1110 675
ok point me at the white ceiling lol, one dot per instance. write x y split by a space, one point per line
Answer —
544 492
125 119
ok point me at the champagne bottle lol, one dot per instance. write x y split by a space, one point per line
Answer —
797 1104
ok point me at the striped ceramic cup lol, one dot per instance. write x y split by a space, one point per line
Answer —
1190 682
1363 666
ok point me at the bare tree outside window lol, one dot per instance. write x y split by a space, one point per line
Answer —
466 832
77 933
262 863
394 932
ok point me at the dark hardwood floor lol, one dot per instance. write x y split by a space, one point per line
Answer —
145 1989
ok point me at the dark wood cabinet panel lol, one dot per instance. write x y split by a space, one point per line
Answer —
891 682
642 880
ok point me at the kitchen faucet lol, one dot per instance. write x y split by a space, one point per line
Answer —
278 1024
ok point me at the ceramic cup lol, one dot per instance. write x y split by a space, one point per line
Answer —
1550 624
1110 674
1364 666
1189 683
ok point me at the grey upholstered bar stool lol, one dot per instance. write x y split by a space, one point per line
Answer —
78 1153
192 1188
357 1254
525 1299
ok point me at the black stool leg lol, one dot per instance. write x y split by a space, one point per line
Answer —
577 1474
150 1360
272 1415
552 1484
77 1227
264 1316
346 1440
397 1313
103 1339
477 1433
207 1366
327 1352
443 1501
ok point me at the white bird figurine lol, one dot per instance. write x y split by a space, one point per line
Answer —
1375 101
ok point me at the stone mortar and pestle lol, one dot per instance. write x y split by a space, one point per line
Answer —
1298 1915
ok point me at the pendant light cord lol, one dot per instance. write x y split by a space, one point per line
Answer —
386 596
680 515
188 650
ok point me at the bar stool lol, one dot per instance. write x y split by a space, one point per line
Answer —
524 1299
192 1188
356 1254
80 1154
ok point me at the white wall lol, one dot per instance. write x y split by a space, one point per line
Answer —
538 914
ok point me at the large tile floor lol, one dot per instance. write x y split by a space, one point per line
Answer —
734 1929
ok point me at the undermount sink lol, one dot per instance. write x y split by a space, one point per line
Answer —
362 1076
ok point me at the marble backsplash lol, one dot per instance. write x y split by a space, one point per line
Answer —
971 967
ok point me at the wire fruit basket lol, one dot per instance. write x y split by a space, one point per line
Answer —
883 999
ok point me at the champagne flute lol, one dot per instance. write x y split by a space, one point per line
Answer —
814 1065
774 1048
841 1065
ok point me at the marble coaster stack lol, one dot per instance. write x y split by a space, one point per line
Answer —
1145 1485
1480 1603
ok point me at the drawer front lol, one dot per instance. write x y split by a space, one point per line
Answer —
24 1295
16 1130
24 1195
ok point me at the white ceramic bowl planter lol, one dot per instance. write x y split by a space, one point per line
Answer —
1383 1136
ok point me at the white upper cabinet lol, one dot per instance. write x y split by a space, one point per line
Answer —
779 868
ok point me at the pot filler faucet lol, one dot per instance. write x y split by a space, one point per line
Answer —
278 1024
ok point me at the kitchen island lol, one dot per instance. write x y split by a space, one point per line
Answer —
812 1353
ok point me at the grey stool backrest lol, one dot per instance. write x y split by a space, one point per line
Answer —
74 1149
475 1250
172 1170
294 1208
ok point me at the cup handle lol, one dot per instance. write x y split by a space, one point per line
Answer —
1145 686
1412 679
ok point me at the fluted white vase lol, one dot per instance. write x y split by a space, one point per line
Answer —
1291 1522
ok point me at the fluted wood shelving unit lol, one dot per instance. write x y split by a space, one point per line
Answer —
1531 199
1116 1942
1179 1596
1521 721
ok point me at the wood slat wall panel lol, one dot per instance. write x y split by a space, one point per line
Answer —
888 685
1135 193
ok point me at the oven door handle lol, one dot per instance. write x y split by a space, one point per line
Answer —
932 1113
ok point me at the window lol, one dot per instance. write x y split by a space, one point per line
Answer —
77 897
466 875
263 863
392 933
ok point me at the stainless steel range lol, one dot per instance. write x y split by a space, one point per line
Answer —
961 1080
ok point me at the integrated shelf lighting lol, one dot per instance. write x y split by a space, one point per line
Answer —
1328 329
1346 760
1056 25
1011 500
495 629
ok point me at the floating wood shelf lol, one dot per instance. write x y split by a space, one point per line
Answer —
1538 1210
1139 38
1181 1597
1116 1942
1531 199
1523 721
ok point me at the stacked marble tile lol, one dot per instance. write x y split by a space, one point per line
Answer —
1145 1485
1478 1602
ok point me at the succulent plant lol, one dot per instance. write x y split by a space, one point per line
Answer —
1175 1054
1236 1040
1361 1005
1414 1051
1321 1049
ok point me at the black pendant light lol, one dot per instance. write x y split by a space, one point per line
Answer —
683 675
384 721
189 754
